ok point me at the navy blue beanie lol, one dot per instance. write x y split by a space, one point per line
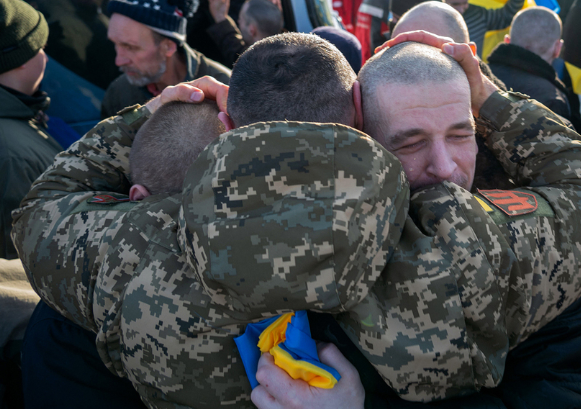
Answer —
167 17
346 42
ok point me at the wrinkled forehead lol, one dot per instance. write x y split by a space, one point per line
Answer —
394 96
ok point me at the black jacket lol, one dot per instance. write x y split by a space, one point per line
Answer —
527 73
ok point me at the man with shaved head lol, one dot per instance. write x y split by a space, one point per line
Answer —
402 107
442 19
524 61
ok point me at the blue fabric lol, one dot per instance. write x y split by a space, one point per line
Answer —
247 346
72 98
62 132
298 344
550 4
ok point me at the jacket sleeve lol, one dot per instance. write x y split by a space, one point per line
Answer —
461 289
60 247
228 39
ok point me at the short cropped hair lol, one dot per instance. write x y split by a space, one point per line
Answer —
294 77
536 29
436 17
167 144
266 16
404 64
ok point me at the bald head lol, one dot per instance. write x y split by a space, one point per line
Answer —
405 64
436 17
538 30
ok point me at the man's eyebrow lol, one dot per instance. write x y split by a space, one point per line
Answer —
401 136
464 125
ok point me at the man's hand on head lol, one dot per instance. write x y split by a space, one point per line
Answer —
194 91
480 86
277 390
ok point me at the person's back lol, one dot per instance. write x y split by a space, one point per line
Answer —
524 61
168 144
26 147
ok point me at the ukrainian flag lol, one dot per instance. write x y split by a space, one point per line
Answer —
288 339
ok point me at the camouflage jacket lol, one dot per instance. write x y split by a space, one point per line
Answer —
286 216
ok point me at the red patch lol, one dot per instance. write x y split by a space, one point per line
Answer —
108 199
511 202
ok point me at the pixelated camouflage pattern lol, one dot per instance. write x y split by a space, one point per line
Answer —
282 216
460 291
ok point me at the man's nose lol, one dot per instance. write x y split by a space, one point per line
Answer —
442 165
120 57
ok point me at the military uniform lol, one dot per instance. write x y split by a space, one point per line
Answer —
305 216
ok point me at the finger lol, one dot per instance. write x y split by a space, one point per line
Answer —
262 399
213 89
419 36
463 54
330 355
275 380
480 86
180 92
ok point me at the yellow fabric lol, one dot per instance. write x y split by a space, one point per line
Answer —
494 37
306 371
487 208
575 74
275 333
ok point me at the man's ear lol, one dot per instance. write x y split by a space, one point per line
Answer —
169 47
226 120
253 30
507 39
558 47
138 192
358 106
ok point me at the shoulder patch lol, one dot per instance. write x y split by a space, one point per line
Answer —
105 202
108 199
511 202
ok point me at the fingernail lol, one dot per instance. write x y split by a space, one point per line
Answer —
448 49
196 96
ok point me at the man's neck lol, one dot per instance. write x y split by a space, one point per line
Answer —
175 73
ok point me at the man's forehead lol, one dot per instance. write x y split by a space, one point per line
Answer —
424 93
125 29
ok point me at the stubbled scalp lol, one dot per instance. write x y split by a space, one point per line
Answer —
168 143
436 17
291 76
536 29
404 64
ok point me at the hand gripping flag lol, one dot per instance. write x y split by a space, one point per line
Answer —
288 339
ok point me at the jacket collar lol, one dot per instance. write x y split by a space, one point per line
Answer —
520 58
14 104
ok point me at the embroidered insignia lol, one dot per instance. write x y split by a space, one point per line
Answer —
108 199
511 202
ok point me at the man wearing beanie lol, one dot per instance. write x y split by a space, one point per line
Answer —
150 41
26 149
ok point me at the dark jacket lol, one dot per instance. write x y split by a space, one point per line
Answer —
527 73
26 150
228 39
121 94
